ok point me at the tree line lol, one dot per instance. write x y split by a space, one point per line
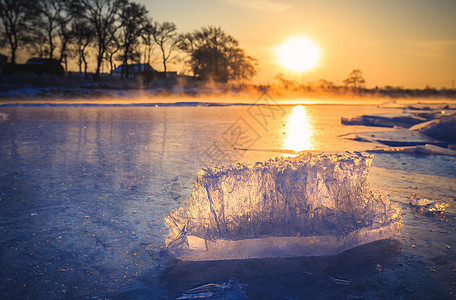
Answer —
116 31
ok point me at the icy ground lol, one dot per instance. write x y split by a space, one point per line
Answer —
84 190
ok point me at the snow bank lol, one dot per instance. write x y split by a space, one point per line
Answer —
313 204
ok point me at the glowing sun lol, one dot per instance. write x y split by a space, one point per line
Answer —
298 54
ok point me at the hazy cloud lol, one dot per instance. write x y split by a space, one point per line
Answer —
267 5
430 48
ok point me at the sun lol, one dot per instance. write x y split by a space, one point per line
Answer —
298 54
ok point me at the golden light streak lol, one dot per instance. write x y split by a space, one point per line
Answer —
299 130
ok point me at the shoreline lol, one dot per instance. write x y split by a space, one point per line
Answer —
141 100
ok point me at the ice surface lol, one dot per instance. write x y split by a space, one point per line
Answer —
125 168
313 204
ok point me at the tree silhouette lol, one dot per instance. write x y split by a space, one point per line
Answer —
64 32
133 23
112 48
103 17
355 79
83 37
38 45
114 31
148 43
51 29
216 55
16 19
46 26
165 36
325 84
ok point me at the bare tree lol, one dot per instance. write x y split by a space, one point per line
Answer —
148 43
103 17
47 24
38 41
83 37
16 17
112 48
55 24
64 29
355 79
165 36
134 22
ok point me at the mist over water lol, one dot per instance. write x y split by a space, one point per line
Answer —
84 190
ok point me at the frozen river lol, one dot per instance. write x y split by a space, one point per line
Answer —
84 190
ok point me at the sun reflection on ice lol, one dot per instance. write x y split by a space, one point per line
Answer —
298 131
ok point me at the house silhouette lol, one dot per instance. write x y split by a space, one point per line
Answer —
133 70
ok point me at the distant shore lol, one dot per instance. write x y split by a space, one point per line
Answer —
71 88
143 100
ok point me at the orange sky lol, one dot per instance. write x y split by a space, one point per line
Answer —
408 43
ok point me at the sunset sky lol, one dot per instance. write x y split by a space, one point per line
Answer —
408 43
